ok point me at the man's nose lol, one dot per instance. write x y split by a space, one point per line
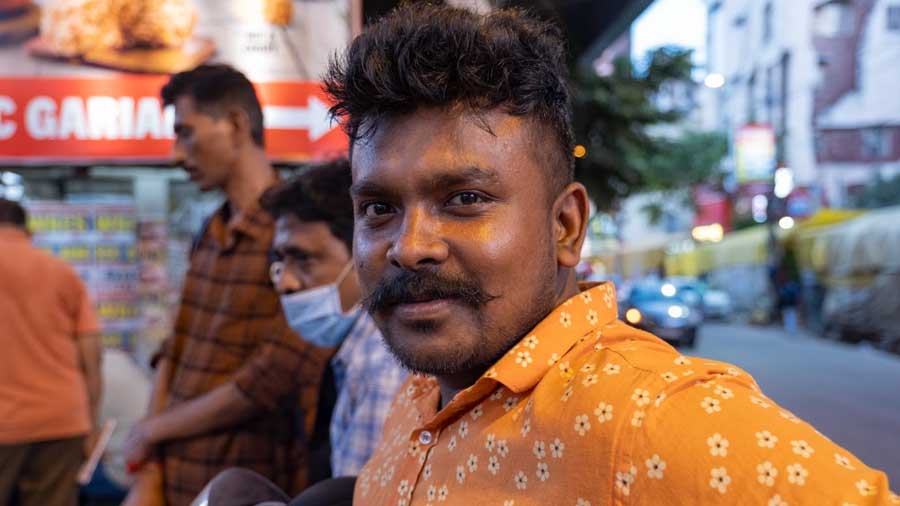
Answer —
287 283
418 243
178 155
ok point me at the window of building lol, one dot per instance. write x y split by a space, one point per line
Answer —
769 98
767 23
893 17
819 144
785 86
834 19
876 142
822 62
751 99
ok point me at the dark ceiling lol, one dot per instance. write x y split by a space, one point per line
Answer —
591 25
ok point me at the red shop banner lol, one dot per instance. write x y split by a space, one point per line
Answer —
120 119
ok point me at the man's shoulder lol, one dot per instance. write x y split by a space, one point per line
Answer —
634 368
52 266
701 424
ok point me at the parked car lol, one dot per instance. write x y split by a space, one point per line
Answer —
714 304
663 310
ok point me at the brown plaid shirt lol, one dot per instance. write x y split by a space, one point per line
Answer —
230 327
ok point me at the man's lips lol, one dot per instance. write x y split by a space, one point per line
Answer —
432 309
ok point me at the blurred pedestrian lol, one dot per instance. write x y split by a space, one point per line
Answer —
789 290
785 278
50 376
235 385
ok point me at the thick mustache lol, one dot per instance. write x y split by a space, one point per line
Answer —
410 287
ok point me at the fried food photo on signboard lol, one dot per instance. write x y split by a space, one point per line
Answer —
132 35
278 12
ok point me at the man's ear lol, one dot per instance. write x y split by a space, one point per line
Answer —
571 212
240 124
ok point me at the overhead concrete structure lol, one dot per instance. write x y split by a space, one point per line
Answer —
590 25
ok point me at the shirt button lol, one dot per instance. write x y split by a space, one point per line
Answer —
425 437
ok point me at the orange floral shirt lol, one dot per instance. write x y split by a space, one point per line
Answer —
587 411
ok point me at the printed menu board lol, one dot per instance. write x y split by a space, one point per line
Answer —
99 241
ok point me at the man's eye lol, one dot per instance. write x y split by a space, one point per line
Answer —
466 199
376 209
299 258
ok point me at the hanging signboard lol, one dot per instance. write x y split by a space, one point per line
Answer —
755 153
80 79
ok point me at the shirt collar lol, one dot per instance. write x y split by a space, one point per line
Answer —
531 358
253 222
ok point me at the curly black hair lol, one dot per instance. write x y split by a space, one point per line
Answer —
318 193
214 86
441 56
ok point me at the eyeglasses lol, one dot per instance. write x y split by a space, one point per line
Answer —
276 270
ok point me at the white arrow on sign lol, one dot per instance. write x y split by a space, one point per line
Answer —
313 118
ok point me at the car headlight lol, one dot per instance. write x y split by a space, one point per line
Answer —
668 290
679 312
633 316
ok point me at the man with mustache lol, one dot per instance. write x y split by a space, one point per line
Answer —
529 389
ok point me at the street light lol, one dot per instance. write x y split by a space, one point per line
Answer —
708 233
714 81
9 178
786 223
784 182
13 192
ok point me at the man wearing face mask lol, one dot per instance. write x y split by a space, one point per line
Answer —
313 272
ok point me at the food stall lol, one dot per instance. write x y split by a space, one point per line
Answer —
84 133
85 139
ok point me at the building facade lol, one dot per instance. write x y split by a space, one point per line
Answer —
823 75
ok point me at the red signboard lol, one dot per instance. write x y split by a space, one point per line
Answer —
120 119
712 207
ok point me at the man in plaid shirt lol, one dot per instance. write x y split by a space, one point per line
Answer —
236 387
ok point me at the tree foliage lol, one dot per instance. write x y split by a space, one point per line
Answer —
689 158
614 116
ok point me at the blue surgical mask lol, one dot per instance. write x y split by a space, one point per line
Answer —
316 314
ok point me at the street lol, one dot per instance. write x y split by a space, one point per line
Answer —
850 393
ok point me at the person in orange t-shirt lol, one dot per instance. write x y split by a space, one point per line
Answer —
50 378
529 390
